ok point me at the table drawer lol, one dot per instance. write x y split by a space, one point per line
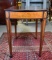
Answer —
26 15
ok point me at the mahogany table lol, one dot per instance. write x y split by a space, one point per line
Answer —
25 13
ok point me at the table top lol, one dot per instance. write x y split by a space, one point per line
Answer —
19 9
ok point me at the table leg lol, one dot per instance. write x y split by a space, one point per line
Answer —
16 29
49 15
9 36
36 28
43 23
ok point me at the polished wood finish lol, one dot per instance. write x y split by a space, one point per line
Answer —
25 15
8 22
16 29
43 23
30 14
36 28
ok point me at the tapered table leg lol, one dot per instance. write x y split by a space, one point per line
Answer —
36 28
16 29
9 36
43 23
50 15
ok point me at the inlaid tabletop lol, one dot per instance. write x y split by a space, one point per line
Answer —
21 9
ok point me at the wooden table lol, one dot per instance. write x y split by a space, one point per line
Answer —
23 13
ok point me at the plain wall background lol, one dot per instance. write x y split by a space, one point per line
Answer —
45 4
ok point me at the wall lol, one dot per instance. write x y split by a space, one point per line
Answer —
45 4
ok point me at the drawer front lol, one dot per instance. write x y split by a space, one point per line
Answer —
26 15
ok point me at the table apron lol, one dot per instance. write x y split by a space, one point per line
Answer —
27 15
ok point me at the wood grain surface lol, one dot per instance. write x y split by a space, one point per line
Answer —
24 15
